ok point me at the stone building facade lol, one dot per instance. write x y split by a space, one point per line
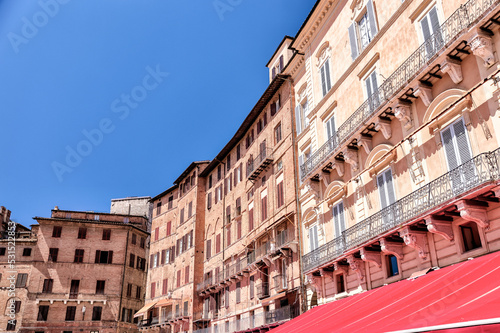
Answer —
79 271
397 137
141 206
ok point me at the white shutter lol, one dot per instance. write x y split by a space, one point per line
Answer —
327 75
425 28
390 187
434 20
336 222
298 118
449 147
381 189
371 19
323 79
462 141
341 216
353 38
313 238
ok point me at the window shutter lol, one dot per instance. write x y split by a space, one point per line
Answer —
373 77
323 79
433 16
235 177
381 188
169 228
354 41
250 219
97 256
462 142
425 28
390 187
336 222
172 254
273 109
341 217
110 257
327 75
281 63
371 18
209 200
274 72
209 248
449 148
298 119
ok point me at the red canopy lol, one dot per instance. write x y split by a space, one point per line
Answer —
443 299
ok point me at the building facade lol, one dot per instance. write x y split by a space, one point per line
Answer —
176 255
397 138
79 271
141 206
251 260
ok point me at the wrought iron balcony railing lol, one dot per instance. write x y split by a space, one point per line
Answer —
280 283
259 164
457 24
285 313
263 290
472 174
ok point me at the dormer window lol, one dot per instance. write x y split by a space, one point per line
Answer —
278 68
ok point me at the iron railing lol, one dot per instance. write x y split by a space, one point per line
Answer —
263 290
284 237
458 23
265 154
285 313
479 170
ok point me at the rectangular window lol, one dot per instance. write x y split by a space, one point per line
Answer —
190 209
372 92
153 289
340 283
2 251
47 286
250 219
157 233
210 181
163 255
170 202
238 207
228 163
56 231
263 208
219 172
99 287
362 32
138 292
186 308
82 233
252 286
431 28
238 152
21 280
26 252
169 228
470 236
301 112
238 229
238 292
281 196
209 200
338 218
43 313
392 265
181 219
330 128
228 239
143 242
217 243
103 257
70 313
131 262
79 255
209 248
186 275
226 298
134 239
386 188
11 325
106 234
74 288
164 287
456 146
277 133
178 278
96 313
158 208
313 238
96 217
53 252
129 290
326 84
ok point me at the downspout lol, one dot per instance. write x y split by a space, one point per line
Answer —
123 281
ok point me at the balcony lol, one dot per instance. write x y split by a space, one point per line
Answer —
259 164
284 237
148 322
455 26
472 175
282 314
263 290
280 283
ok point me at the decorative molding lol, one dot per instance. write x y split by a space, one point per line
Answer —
357 265
323 53
425 94
403 113
351 157
342 268
439 227
454 69
371 256
327 274
394 248
340 167
416 240
473 213
366 142
482 47
315 281
385 127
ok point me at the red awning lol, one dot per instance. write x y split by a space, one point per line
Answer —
441 300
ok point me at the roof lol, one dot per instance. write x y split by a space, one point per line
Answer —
189 169
268 94
123 224
277 49
92 212
167 191
131 198
456 296
305 22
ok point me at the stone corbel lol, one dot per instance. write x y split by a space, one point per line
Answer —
482 47
339 166
393 248
425 93
416 240
371 256
326 274
454 69
385 127
473 213
351 157
358 266
342 268
439 227
315 281
403 113
366 142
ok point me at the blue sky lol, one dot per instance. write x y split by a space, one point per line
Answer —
109 99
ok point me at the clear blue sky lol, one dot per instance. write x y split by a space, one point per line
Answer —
99 67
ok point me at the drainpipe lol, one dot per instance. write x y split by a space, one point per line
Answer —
123 281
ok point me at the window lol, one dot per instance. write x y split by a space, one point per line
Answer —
470 236
301 113
164 287
313 238
226 298
209 200
158 208
250 219
170 202
26 252
11 325
56 231
153 289
456 146
238 229
79 255
143 242
238 152
126 220
155 260
217 243
82 233
181 219
186 308
238 292
2 251
131 262
340 283
168 254
99 287
43 313
163 254
134 239
47 286
228 214
169 228
103 257
252 286
186 275
73 290
96 313
96 217
330 128
53 252
228 163
392 265
219 172
371 86
190 209
129 290
277 133
157 233
138 292
263 207
386 189
178 278
431 28
70 313
362 31
228 239
210 181
281 197
21 280
326 84
209 248
338 218
106 234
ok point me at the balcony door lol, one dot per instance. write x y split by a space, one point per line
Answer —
431 31
371 85
387 196
330 132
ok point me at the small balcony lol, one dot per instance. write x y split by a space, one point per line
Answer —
259 164
282 314
280 283
263 290
148 322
